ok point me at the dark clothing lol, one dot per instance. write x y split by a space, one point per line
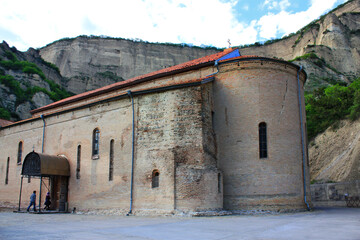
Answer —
32 202
47 202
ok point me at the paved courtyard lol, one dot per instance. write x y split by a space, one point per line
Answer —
330 223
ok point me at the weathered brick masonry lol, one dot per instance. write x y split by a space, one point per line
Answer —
196 135
246 94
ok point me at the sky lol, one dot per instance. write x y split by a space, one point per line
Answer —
217 23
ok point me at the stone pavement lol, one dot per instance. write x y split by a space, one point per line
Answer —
329 223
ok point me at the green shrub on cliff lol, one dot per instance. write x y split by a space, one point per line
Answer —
57 93
4 113
327 105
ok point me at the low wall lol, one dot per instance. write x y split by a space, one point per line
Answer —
333 194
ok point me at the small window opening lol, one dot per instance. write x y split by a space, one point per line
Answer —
78 162
111 160
20 150
219 182
155 179
263 140
213 120
95 145
7 171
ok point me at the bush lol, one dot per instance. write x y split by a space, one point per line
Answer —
110 75
327 105
50 65
306 56
10 55
4 113
57 93
30 70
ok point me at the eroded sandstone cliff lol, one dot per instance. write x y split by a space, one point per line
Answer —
335 154
335 41
89 63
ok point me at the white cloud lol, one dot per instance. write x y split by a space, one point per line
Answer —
285 22
39 22
35 23
276 4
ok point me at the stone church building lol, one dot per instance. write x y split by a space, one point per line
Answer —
223 132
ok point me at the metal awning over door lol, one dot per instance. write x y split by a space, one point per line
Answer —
42 165
49 167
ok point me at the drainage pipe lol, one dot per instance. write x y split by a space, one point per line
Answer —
21 183
42 151
217 67
302 137
132 152
40 194
43 137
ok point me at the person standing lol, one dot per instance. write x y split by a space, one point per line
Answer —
32 201
47 201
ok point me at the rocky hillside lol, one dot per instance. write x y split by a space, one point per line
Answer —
26 82
328 48
335 154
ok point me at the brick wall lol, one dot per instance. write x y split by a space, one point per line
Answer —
247 93
202 140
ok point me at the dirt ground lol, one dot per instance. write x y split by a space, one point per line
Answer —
330 223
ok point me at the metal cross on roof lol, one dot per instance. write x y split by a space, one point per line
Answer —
229 43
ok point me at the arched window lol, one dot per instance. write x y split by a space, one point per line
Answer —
96 141
262 140
78 162
20 150
155 179
111 160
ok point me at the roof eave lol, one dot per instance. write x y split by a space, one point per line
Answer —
117 87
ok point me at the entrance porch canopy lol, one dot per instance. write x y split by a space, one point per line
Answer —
42 165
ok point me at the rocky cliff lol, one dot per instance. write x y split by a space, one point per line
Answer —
328 48
26 82
335 154
88 63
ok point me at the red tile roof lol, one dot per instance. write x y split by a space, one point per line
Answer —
118 85
4 122
194 64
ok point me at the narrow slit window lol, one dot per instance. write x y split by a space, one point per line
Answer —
111 160
263 140
155 179
96 141
7 171
219 182
78 162
213 120
20 150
